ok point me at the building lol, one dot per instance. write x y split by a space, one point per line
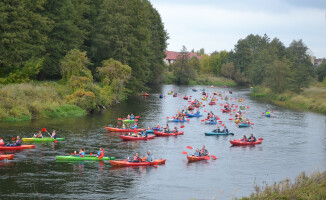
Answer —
172 56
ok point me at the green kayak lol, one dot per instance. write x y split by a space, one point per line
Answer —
218 133
128 120
85 158
45 139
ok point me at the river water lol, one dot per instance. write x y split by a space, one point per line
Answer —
294 141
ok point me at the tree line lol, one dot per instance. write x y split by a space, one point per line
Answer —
36 35
256 60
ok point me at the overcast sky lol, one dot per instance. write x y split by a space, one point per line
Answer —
217 25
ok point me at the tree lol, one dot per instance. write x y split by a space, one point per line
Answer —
321 71
195 63
277 74
75 64
299 78
228 70
183 71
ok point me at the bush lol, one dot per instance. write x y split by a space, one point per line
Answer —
83 99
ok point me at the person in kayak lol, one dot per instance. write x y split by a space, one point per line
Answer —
203 151
128 116
54 134
225 130
38 135
149 156
100 152
18 142
135 126
244 139
175 130
136 158
132 116
197 153
82 152
252 138
167 129
217 130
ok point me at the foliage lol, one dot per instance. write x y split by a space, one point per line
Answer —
321 71
75 64
304 187
277 74
182 70
228 70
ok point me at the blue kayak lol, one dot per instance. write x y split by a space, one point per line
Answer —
194 115
217 133
151 131
161 96
177 120
244 125
210 122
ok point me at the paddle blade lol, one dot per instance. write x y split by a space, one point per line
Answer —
207 158
182 126
167 117
56 141
136 120
252 123
90 154
13 138
137 117
82 156
188 120
184 152
71 154
214 157
119 118
202 120
43 130
248 106
189 147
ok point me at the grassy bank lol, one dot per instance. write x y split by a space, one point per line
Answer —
169 78
312 98
304 187
26 101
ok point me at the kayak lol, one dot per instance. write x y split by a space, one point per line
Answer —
2 143
191 108
161 96
127 137
242 107
210 122
185 98
85 158
212 103
111 129
217 133
204 98
45 139
175 95
177 120
168 134
194 115
195 158
145 94
226 99
17 147
203 93
128 120
240 100
241 143
194 89
124 163
151 131
7 157
244 125
226 111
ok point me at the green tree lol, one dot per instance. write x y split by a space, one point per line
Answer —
228 70
75 64
321 71
277 74
195 63
183 71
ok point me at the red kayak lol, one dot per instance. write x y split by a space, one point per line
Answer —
17 147
212 103
167 134
191 108
1 143
127 137
226 111
240 142
185 98
124 163
7 157
111 129
195 158
146 94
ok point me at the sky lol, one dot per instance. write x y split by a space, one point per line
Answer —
217 25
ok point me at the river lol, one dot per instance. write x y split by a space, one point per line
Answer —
294 141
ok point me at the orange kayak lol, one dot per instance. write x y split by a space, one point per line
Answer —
127 137
241 143
124 163
111 129
167 134
3 148
7 157
195 158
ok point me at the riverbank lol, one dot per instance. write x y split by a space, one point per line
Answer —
311 99
201 80
304 187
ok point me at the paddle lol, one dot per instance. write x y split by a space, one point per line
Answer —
184 152
119 119
44 130
207 157
137 117
214 157
182 126
189 147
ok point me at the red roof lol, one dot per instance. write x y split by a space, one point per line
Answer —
172 55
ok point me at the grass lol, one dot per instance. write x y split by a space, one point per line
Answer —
312 98
212 80
26 101
304 187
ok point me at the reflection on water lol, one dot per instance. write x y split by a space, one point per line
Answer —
293 141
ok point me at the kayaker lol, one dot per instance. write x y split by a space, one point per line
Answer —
167 129
149 156
1 140
132 116
136 158
18 142
225 130
175 130
197 153
128 117
251 138
203 151
244 139
54 135
82 152
217 130
38 135
135 126
123 126
100 152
